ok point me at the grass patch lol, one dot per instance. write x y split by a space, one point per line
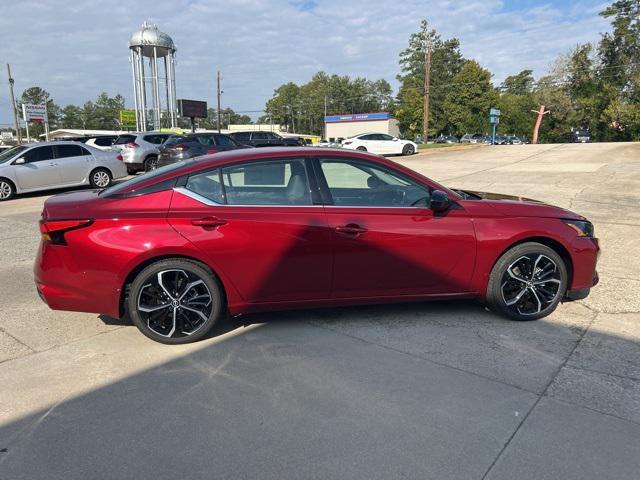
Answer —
424 146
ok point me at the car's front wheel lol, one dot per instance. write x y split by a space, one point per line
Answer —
361 148
7 189
527 282
175 301
100 178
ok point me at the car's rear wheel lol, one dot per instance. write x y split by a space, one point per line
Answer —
527 282
408 150
100 178
362 149
175 301
150 163
7 189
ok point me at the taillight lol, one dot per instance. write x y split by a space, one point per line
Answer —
131 145
181 147
212 151
53 230
119 157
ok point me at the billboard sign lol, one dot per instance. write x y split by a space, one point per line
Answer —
192 108
128 118
358 117
34 113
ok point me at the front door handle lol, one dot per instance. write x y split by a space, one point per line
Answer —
208 222
350 229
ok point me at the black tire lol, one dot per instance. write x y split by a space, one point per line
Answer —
7 189
150 163
408 150
159 324
362 149
100 178
533 276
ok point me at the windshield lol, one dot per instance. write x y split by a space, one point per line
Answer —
130 184
10 153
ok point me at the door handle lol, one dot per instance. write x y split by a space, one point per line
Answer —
350 229
208 222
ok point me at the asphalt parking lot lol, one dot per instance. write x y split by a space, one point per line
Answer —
427 391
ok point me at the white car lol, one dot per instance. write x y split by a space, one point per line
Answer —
380 143
47 165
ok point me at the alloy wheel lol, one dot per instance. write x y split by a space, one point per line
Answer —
151 164
101 179
6 191
174 303
530 284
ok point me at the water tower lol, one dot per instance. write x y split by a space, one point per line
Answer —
148 45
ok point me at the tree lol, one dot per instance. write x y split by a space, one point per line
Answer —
469 99
519 84
446 62
38 96
71 117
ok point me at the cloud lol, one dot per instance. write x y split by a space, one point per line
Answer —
76 50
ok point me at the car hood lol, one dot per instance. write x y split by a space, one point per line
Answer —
510 205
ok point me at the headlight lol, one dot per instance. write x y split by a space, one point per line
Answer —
582 227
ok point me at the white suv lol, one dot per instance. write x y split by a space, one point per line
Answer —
140 150
380 143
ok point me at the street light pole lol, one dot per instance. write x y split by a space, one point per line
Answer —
218 101
13 105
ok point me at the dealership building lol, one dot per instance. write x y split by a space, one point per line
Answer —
344 126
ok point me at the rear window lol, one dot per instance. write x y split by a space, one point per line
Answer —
130 185
175 140
124 139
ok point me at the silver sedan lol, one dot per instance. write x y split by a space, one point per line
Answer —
47 165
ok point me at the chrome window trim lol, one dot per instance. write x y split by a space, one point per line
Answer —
199 198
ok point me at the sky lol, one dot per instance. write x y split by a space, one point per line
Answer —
76 49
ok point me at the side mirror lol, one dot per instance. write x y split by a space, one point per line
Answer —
20 161
440 201
395 139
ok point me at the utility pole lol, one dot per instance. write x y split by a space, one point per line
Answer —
324 120
427 84
540 113
13 105
218 122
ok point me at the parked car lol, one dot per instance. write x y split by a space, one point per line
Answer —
140 150
218 235
46 165
475 138
265 139
499 140
380 143
181 147
579 136
514 140
446 139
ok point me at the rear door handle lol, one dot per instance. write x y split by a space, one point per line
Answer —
350 229
208 222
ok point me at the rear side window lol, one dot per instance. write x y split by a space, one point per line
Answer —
276 182
124 139
242 136
103 141
260 136
39 154
207 184
155 139
64 151
223 140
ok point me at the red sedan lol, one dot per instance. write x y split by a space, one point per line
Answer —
255 230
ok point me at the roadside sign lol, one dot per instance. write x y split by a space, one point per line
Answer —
6 136
192 108
494 112
34 113
128 118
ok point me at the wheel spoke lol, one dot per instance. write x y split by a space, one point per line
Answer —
517 298
550 280
514 276
189 287
152 309
533 292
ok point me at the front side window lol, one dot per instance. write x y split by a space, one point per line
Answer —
357 183
260 136
224 140
39 154
385 137
368 137
274 182
242 136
